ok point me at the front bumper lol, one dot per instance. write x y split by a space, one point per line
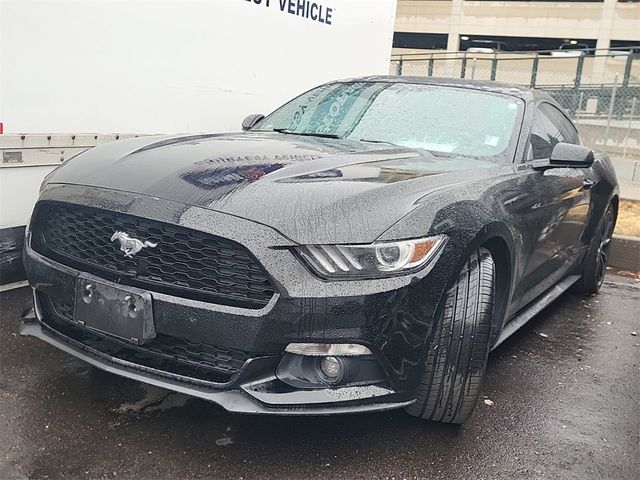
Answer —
259 396
391 317
253 388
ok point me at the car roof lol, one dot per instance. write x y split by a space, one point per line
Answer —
526 93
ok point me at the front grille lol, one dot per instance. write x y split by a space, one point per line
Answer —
166 353
185 262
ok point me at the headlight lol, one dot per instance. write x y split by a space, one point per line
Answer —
371 261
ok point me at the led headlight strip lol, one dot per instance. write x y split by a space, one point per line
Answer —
371 261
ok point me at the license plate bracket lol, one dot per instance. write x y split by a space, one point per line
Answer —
123 312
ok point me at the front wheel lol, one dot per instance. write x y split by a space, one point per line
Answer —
459 348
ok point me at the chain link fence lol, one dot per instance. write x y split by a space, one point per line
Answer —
599 90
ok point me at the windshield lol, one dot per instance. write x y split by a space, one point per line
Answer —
457 121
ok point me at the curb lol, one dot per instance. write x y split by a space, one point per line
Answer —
625 253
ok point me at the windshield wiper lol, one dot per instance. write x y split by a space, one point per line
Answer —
307 134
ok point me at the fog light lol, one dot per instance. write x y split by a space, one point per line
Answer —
332 369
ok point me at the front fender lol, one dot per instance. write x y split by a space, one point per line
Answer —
469 226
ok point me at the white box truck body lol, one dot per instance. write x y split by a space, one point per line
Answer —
73 74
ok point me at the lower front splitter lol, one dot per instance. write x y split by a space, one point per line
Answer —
255 397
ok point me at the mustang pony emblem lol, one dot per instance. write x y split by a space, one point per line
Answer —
129 245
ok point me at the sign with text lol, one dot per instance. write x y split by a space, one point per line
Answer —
302 8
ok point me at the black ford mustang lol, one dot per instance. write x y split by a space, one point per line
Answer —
362 248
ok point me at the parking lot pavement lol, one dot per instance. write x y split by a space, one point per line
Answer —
560 401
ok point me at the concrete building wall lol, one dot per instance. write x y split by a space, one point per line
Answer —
603 21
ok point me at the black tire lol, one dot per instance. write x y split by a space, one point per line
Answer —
458 351
595 262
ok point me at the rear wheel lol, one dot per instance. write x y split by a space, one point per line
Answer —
595 263
458 351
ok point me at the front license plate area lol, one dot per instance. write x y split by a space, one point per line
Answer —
125 313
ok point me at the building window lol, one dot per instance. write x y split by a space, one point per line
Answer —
424 41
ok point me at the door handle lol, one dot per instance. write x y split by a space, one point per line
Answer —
587 183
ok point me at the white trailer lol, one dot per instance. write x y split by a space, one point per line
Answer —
75 68
179 66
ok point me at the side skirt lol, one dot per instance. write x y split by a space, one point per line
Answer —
535 307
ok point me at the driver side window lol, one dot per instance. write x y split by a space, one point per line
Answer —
549 128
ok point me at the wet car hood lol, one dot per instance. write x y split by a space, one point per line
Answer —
312 190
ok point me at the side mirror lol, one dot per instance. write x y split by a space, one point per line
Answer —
566 155
250 121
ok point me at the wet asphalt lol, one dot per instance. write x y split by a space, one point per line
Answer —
561 400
